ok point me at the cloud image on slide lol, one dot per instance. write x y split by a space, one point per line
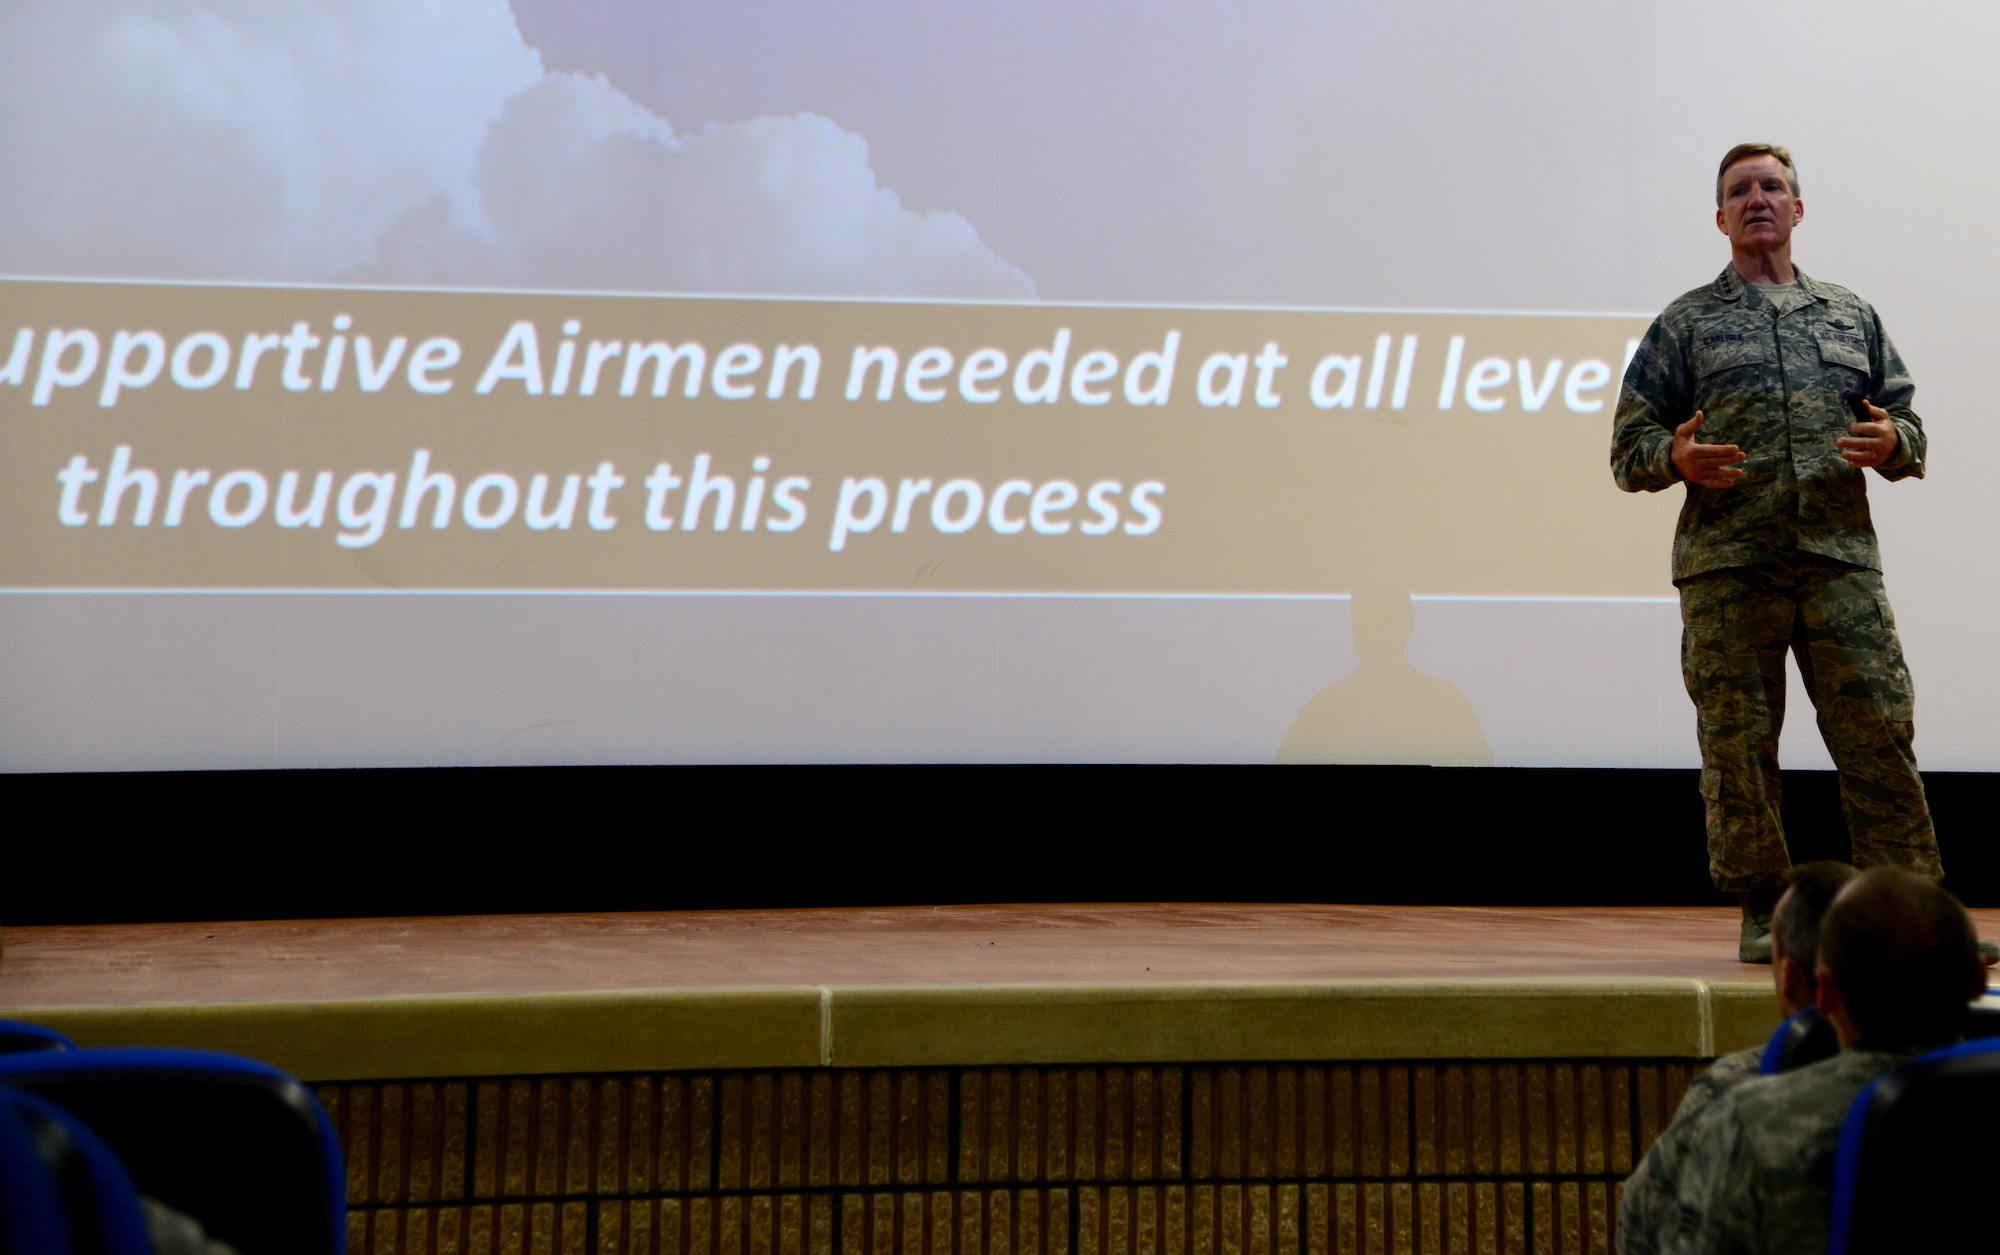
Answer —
421 142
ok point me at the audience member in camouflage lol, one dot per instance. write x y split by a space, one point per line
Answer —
1738 392
1649 1205
1898 961
1650 1202
1760 1175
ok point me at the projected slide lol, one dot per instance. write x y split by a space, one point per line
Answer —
467 383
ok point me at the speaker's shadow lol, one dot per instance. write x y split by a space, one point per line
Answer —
1387 711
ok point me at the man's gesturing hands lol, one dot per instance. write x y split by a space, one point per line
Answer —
1711 465
1872 443
1719 465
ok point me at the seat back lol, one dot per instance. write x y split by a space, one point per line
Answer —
17 1038
1917 1158
62 1191
1982 1019
239 1146
1804 1038
34 1197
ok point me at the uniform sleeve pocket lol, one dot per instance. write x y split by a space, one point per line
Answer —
1842 348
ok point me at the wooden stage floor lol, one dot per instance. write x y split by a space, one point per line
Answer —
150 963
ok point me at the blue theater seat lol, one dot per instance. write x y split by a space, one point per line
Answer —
62 1191
1918 1157
19 1038
239 1146
1807 1038
1802 1039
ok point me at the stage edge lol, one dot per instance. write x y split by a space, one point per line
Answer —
954 1025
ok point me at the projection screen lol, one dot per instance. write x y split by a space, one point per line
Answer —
418 382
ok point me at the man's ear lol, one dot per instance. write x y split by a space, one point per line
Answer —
1798 212
1795 985
1833 1007
1720 225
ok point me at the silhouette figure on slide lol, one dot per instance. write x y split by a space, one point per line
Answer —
1387 711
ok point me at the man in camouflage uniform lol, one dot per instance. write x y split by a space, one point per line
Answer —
1736 392
1898 961
1649 1206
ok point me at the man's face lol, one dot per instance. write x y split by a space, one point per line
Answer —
1758 209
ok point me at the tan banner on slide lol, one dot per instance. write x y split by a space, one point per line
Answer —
196 436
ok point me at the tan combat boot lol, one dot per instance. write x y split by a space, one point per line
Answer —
1753 943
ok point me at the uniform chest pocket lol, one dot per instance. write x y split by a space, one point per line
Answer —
1842 348
1719 351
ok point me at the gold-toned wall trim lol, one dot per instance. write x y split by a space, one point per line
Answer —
935 1025
962 1025
474 1035
1743 1013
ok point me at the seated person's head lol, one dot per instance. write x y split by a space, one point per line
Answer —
1795 930
1898 961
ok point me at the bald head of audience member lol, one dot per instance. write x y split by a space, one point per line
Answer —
1810 890
1898 962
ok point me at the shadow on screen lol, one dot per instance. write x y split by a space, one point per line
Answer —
1387 711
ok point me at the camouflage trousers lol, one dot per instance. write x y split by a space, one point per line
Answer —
1737 625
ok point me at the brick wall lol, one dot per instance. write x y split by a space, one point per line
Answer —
1209 1160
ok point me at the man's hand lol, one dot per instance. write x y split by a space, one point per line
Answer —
1872 443
1708 465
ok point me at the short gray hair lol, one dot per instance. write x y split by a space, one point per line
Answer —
1795 926
1738 153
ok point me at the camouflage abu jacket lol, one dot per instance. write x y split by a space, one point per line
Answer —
1768 377
1759 1177
1650 1205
